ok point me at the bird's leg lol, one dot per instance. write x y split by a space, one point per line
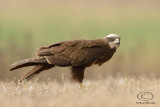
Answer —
81 85
78 74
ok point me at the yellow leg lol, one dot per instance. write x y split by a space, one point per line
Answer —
81 85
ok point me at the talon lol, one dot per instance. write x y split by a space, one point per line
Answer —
81 85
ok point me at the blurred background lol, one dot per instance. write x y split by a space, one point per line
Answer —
26 25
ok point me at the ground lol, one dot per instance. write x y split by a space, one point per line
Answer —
26 25
110 92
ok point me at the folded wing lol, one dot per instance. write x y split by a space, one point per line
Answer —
74 53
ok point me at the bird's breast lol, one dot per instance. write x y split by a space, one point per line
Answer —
106 56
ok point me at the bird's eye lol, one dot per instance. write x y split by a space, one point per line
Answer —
111 39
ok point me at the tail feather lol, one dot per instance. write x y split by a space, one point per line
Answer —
32 72
28 62
36 70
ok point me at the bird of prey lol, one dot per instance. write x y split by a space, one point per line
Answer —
78 54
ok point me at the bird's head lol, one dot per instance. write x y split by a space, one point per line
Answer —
113 40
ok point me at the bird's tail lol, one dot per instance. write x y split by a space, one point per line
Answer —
29 62
36 70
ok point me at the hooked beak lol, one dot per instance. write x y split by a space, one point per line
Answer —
118 41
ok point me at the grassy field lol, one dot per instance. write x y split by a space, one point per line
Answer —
26 25
111 92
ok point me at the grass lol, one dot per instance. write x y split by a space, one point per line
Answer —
109 92
27 25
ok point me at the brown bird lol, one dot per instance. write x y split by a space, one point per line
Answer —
78 54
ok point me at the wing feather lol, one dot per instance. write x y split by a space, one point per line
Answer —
76 53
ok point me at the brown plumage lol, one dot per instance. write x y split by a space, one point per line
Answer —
78 54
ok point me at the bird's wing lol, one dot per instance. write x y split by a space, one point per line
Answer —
75 53
87 52
56 48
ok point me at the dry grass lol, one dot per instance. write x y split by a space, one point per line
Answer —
110 92
26 25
